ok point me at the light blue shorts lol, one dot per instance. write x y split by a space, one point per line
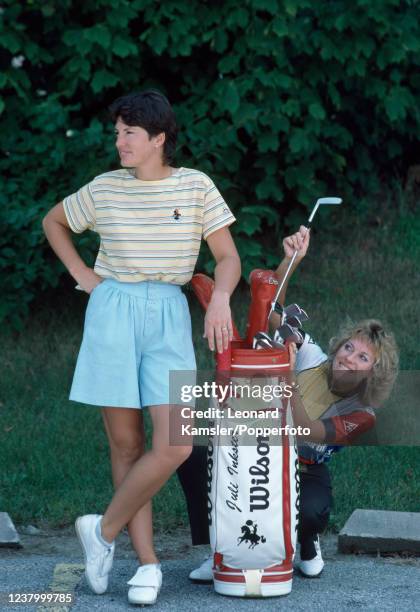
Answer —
135 334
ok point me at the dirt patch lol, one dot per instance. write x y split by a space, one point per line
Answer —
64 542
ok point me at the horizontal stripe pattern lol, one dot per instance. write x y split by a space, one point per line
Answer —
141 236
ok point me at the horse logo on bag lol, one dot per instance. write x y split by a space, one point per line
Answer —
250 536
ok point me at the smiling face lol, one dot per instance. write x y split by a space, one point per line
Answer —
355 354
136 147
352 364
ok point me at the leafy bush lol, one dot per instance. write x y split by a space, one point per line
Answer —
279 101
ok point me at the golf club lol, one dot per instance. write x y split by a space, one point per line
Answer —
286 334
319 202
294 310
292 314
294 322
264 341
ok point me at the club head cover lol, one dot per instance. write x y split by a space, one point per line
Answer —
203 287
263 285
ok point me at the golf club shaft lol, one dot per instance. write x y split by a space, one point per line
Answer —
285 277
286 274
320 201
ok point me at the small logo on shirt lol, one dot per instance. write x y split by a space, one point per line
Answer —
226 210
177 214
349 426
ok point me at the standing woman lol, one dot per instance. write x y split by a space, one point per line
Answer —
150 217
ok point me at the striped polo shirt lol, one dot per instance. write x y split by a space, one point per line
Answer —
149 230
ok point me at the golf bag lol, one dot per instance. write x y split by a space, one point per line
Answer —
253 485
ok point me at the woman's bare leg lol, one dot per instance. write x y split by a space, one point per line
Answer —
125 431
147 475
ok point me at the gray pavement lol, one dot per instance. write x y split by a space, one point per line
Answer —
348 582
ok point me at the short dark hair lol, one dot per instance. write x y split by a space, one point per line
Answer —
151 111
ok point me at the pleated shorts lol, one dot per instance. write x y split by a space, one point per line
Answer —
135 335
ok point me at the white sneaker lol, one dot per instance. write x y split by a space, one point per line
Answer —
313 567
204 573
145 584
98 557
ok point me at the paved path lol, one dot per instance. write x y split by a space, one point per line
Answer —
348 582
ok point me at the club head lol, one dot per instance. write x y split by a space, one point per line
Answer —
287 333
294 322
297 339
262 341
332 200
262 336
294 310
278 345
321 202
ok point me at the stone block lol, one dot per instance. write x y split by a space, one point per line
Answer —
381 531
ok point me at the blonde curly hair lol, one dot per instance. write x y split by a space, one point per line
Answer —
378 385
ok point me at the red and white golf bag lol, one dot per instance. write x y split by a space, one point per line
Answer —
253 484
253 494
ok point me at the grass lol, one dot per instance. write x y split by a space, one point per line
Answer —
380 478
54 453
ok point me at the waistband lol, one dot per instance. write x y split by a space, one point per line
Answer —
149 290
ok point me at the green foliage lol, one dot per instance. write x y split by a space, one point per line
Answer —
279 101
